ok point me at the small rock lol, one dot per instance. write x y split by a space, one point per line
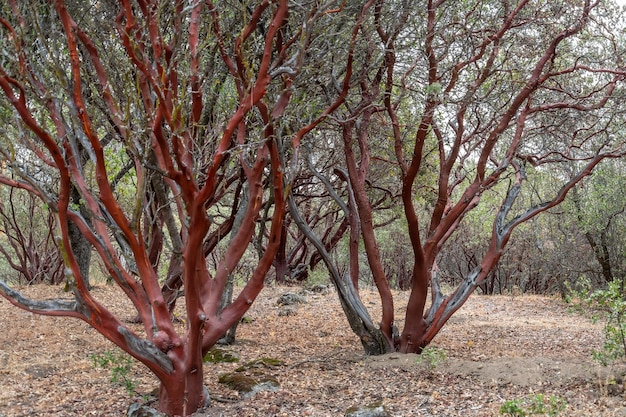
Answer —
285 312
249 386
615 389
253 377
142 410
570 394
271 385
290 298
238 382
320 289
37 371
4 360
207 398
371 410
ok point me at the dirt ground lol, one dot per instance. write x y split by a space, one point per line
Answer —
497 348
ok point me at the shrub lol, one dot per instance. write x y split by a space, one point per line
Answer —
432 357
538 404
119 364
611 300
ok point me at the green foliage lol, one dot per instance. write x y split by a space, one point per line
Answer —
606 304
611 301
433 89
512 408
432 357
538 404
119 364
317 276
576 294
599 213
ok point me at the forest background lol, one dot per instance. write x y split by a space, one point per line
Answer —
179 150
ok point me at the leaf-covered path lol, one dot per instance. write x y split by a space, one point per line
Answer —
498 348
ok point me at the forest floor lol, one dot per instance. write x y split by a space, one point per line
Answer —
498 348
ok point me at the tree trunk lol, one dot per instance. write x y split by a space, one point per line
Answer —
357 175
227 295
373 339
412 339
80 246
281 264
601 252
227 299
184 393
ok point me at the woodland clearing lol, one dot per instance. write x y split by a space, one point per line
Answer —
497 348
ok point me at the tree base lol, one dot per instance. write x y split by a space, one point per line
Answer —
145 410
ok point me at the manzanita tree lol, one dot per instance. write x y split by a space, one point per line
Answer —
163 136
460 100
159 130
30 248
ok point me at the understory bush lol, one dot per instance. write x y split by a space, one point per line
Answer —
119 364
538 404
432 357
611 302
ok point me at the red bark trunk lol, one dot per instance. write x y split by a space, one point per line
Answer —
184 393
412 339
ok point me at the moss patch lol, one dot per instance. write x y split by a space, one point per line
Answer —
267 363
253 377
248 385
237 381
217 355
